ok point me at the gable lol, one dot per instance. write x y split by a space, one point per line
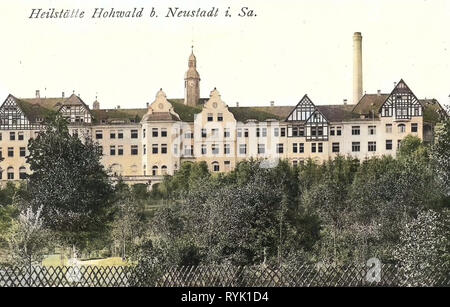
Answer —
401 103
12 115
302 110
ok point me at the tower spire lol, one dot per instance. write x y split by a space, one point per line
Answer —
192 81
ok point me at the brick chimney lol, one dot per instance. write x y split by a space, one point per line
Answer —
38 94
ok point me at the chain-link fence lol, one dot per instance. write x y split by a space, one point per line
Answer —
218 276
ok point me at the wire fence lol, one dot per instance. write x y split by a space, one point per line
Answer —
220 276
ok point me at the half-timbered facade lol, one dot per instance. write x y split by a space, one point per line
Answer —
142 145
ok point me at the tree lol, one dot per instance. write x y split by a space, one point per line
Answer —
424 249
128 226
69 183
28 238
441 157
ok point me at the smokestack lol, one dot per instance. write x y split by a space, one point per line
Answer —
357 67
272 103
62 94
237 104
345 101
38 94
378 92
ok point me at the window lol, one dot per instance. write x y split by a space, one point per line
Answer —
10 173
112 150
120 150
294 131
143 133
242 149
399 143
301 148
1 154
226 149
0 136
215 166
239 133
134 134
280 148
154 148
112 134
219 117
210 117
12 136
227 165
188 150
154 170
188 135
332 131
261 148
264 132
313 147
313 131
22 173
215 149
120 134
163 170
163 133
283 132
401 128
320 147
226 133
257 133
155 132
10 151
388 128
295 148
20 136
388 144
163 148
356 146
100 150
99 134
294 163
338 131
144 149
175 149
335 147
134 150
372 130
246 132
204 150
414 128
355 130
203 133
215 132
372 146
276 132
22 152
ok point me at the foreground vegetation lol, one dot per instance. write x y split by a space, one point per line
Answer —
339 212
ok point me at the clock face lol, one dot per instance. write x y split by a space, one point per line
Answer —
191 83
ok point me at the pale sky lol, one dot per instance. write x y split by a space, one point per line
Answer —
290 48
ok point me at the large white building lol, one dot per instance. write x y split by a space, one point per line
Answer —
141 145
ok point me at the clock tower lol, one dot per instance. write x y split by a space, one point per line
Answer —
192 82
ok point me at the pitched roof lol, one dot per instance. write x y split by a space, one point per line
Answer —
338 112
370 102
112 116
243 114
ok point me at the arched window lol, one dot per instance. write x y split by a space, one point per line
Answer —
154 170
164 170
22 173
401 128
10 172
216 166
